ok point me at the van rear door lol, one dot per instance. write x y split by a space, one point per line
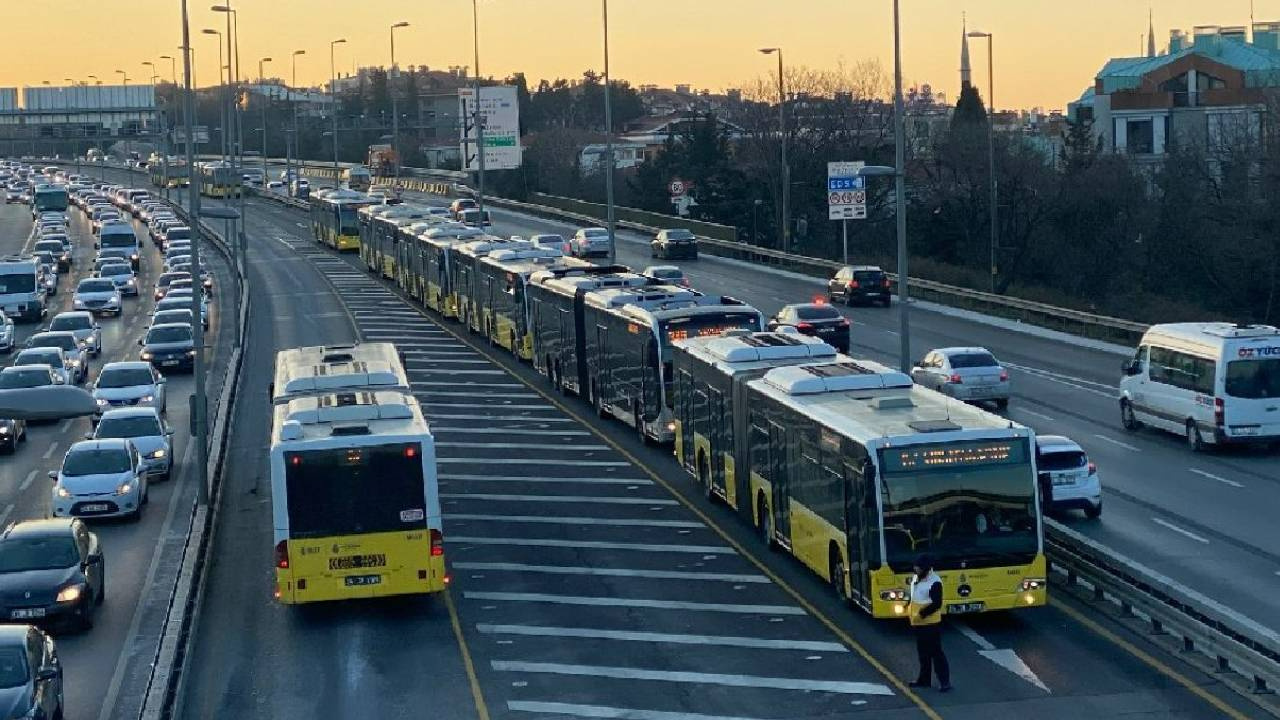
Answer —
1251 389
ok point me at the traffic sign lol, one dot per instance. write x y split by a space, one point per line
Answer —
678 187
846 191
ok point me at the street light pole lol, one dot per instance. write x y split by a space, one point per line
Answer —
991 150
290 163
900 202
611 212
125 78
262 86
786 169
333 93
395 112
479 116
164 137
223 94
199 430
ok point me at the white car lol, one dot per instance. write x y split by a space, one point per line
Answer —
146 430
6 333
100 478
98 296
590 241
547 240
129 384
51 357
1068 481
85 327
178 299
122 275
971 374
72 350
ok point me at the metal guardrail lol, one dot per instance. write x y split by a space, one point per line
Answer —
1234 645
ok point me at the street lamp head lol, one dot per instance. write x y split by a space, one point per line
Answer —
299 52
166 57
338 41
979 34
402 23
211 31
148 62
265 60
768 51
222 8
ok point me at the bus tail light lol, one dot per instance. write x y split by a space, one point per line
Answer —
411 451
1004 375
282 555
437 544
885 282
1219 412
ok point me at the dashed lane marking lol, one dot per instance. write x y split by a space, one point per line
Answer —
601 712
1181 531
600 601
676 676
652 637
571 499
566 480
571 521
593 545
1217 478
615 572
1117 443
26 483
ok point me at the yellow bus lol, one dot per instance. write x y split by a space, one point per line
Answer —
355 499
380 236
854 470
499 293
437 249
464 262
219 180
334 219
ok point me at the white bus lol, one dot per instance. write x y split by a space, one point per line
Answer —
1214 383
21 293
355 500
332 368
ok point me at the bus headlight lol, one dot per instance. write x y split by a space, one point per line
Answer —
1029 584
894 595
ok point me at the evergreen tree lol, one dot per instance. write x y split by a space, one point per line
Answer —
969 108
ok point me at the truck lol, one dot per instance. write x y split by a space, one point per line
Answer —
357 178
383 160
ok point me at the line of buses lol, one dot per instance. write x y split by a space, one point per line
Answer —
842 462
216 179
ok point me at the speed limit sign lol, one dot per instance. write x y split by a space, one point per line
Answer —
677 187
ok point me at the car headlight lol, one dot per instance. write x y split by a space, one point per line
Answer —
146 398
146 355
133 256
129 281
62 492
102 402
4 429
157 454
125 488
75 363
70 593
191 353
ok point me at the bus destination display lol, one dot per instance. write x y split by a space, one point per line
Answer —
954 455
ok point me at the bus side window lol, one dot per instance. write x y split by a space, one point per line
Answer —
760 451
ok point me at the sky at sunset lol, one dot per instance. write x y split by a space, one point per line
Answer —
1046 52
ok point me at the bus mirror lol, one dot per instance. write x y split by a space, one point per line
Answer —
1132 367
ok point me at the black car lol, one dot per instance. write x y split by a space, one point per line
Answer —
169 347
675 243
30 674
817 319
51 573
12 432
859 283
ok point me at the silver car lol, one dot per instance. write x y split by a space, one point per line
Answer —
122 275
85 327
971 374
146 430
6 333
97 295
590 241
129 384
100 478
74 352
51 357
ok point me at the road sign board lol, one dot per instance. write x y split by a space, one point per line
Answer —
500 111
846 191
677 188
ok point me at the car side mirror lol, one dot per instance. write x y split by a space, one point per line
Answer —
140 342
47 673
94 559
53 474
88 436
1132 367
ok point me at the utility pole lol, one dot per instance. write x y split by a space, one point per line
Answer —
479 113
608 142
333 93
395 113
199 431
290 164
263 87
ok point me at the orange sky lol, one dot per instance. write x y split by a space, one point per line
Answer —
1046 52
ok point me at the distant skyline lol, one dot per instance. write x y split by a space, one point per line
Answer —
1046 54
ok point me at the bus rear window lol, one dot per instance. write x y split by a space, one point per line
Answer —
1253 379
354 491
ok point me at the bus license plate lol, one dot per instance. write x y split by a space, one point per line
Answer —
27 613
354 580
962 608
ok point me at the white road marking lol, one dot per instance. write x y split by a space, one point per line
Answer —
541 479
597 601
507 431
65 426
614 572
4 514
1220 479
301 225
1099 389
675 639
527 419
1117 443
49 453
570 521
1033 413
521 446
26 483
557 498
600 712
1005 658
534 461
494 406
591 545
745 681
1180 531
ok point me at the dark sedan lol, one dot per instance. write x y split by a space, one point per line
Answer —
169 347
817 319
859 283
51 572
30 674
676 243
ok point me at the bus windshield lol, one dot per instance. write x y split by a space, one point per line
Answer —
348 220
353 491
972 502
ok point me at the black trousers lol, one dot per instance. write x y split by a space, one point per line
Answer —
932 659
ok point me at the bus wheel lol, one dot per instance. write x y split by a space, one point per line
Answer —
1127 418
836 565
764 522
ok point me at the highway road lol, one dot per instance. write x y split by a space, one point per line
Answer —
107 668
590 578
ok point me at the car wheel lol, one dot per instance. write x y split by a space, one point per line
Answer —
848 299
86 617
1002 404
1093 512
1127 419
1194 440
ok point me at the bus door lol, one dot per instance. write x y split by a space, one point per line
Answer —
778 468
604 369
861 522
683 413
717 418
564 357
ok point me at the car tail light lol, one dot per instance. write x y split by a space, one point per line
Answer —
955 379
1093 468
853 284
802 326
1219 412
282 555
437 544
885 282
844 322
1004 375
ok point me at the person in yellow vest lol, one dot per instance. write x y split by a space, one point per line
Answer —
925 613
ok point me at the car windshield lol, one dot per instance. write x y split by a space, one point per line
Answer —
96 286
124 377
970 503
165 317
115 270
66 342
119 240
95 461
39 357
129 427
18 283
595 232
669 273
868 276
179 233
13 379
973 360
13 666
817 312
71 322
1253 379
679 235
1059 460
49 246
169 334
20 554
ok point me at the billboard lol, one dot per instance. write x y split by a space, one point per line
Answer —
501 112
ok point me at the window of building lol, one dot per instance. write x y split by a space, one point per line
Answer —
1205 81
1141 136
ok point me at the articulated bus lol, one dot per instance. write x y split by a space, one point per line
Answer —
171 175
627 344
355 499
437 246
368 367
380 236
464 260
219 180
501 297
334 220
855 470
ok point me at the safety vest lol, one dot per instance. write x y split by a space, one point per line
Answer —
920 600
